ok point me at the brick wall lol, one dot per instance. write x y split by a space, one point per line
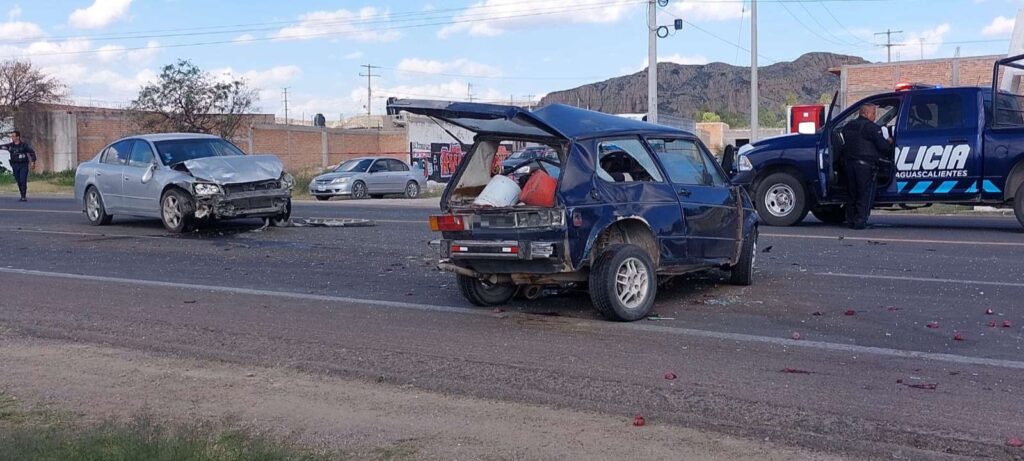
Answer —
868 79
302 148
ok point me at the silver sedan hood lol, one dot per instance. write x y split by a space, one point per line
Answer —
236 169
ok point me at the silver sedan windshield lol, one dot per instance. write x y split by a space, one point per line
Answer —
180 150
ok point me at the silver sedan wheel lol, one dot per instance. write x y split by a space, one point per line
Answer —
631 283
780 200
412 190
92 205
172 211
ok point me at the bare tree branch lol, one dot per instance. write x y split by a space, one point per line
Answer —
21 83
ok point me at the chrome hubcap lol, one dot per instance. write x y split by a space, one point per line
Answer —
359 190
412 190
172 211
631 283
93 206
780 200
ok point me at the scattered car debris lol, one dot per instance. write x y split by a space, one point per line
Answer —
658 317
958 336
796 371
670 376
767 249
850 312
817 313
992 324
933 325
498 310
190 301
332 222
1007 324
989 312
639 420
925 386
892 308
1015 442
795 336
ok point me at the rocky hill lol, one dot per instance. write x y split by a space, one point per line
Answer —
688 90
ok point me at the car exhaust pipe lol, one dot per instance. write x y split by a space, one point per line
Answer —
532 292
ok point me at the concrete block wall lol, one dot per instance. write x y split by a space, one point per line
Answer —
861 81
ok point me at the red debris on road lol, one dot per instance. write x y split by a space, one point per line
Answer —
932 325
992 324
795 371
670 376
639 421
1007 324
892 308
958 336
1015 442
795 335
850 312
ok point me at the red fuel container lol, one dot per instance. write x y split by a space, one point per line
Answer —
539 190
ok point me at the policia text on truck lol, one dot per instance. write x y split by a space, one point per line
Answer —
952 145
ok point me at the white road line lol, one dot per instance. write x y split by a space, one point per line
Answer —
36 210
83 234
895 240
638 326
923 279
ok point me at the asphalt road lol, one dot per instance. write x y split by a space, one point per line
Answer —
366 302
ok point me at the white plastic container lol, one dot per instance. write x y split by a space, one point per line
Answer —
500 192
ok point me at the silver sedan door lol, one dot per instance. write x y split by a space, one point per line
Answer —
377 177
140 197
109 174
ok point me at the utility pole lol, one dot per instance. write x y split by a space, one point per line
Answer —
369 85
286 104
652 61
754 116
888 42
922 46
469 91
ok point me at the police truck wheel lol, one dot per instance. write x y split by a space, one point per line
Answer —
94 209
1018 204
177 211
623 283
830 214
743 272
781 200
484 294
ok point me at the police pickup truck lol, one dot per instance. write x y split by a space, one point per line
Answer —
952 145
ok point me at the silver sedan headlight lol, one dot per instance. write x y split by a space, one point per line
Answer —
203 189
341 180
287 181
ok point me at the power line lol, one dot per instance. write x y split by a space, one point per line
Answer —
826 29
827 10
730 43
809 29
888 42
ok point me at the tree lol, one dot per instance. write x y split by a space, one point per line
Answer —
191 100
22 83
710 117
825 99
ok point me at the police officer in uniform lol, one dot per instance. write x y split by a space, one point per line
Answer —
864 146
21 156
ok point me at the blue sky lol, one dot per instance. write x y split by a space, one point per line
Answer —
492 49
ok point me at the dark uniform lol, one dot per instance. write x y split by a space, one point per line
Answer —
863 148
21 155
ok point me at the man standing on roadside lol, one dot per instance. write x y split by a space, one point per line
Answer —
864 147
21 156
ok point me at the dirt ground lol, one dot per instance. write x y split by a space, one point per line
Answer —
366 419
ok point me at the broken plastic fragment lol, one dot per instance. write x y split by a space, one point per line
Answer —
892 308
795 371
933 325
658 317
1015 442
639 421
817 313
850 312
1007 324
992 324
958 336
670 376
795 335
925 386
988 312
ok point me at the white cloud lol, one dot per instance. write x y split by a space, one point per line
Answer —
999 26
706 11
678 59
340 24
491 18
458 66
354 55
924 44
20 30
100 14
14 13
244 38
111 53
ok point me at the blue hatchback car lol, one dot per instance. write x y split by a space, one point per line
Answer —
634 203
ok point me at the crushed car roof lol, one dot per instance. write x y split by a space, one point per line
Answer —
557 120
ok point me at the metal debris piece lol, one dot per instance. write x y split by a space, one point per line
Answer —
658 317
639 420
850 312
925 386
670 376
795 371
332 222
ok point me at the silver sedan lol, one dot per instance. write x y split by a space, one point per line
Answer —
369 177
184 179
